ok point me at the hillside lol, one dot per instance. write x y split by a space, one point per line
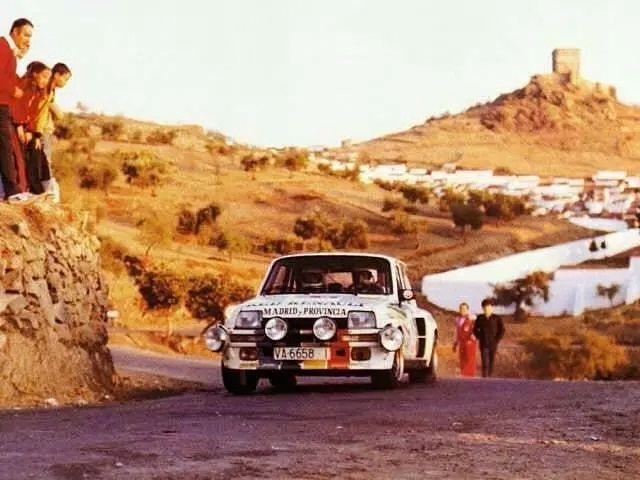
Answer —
548 127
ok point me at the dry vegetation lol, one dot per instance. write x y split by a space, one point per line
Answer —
184 216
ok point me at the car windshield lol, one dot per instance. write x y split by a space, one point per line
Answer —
329 274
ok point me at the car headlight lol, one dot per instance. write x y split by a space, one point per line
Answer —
276 329
215 337
361 320
249 319
391 338
324 329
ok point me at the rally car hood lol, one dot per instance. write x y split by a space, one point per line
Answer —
304 306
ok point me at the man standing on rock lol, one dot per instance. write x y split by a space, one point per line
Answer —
489 330
18 41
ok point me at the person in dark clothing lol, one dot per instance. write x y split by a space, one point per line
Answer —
489 330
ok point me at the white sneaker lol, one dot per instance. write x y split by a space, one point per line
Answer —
21 197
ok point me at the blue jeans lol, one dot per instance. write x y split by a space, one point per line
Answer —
488 358
8 173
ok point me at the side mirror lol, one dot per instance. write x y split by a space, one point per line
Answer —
407 295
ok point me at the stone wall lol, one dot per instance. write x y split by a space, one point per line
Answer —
53 304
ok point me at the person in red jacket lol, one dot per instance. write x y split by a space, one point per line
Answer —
19 40
26 113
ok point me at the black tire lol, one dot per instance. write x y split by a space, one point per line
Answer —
239 382
428 374
389 379
283 382
431 373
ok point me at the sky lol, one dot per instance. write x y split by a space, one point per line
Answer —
313 72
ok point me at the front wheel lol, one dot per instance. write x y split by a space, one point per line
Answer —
239 382
388 379
428 374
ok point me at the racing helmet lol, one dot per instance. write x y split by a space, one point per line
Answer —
311 279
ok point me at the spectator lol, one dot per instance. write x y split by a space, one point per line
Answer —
489 330
11 48
28 109
465 342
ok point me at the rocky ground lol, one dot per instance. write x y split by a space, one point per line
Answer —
455 429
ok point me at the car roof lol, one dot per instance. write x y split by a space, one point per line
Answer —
340 254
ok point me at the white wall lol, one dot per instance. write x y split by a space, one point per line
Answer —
571 291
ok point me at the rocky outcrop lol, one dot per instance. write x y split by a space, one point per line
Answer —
53 304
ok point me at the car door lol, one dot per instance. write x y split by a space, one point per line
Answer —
408 308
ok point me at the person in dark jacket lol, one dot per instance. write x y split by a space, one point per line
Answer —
489 330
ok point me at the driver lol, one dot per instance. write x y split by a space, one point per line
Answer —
311 281
366 283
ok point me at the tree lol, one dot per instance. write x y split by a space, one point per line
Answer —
466 215
609 292
309 227
415 194
348 234
250 164
208 296
143 168
97 176
523 291
154 231
295 159
207 216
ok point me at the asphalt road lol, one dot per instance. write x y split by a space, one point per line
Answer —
454 429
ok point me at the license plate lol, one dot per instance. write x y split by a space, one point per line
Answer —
299 353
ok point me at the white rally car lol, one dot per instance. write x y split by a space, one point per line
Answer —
327 314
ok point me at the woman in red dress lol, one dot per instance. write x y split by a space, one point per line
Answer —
465 342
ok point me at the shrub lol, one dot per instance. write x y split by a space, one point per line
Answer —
231 243
143 168
97 176
70 127
281 246
161 136
208 296
295 159
351 234
186 222
160 289
415 194
592 356
390 203
308 227
502 171
388 186
112 129
207 216
401 224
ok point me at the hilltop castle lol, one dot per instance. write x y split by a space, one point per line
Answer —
566 67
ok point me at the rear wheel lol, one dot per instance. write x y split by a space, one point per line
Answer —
239 382
284 382
391 378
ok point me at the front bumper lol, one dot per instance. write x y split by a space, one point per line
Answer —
341 353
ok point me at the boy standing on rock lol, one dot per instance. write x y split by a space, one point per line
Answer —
489 330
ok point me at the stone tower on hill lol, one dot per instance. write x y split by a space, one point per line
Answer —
566 62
